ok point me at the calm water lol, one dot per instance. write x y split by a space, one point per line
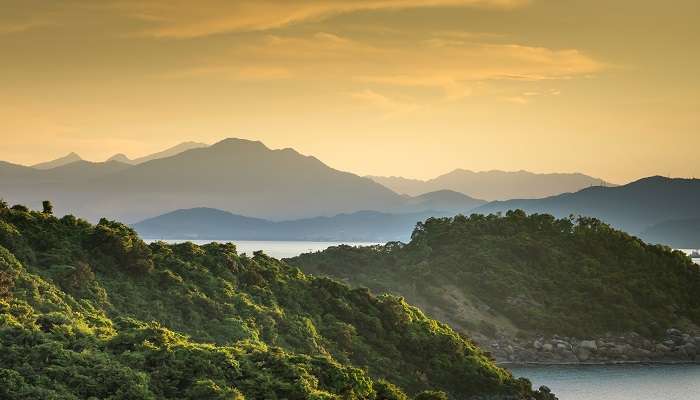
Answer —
277 249
617 382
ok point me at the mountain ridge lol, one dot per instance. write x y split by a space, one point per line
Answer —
494 184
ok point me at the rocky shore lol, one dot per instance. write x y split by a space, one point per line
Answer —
675 346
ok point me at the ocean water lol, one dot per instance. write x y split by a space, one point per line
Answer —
277 249
617 382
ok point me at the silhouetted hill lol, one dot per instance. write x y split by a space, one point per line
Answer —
633 207
679 234
494 185
208 223
67 159
235 175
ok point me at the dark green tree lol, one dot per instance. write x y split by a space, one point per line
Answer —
47 206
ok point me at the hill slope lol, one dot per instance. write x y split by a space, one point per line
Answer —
521 275
633 207
493 185
679 233
91 311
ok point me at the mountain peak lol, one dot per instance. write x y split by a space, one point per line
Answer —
120 157
67 159
246 144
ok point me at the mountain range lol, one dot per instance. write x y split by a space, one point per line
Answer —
248 180
240 176
213 224
494 185
633 207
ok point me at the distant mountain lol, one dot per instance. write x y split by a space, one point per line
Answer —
442 200
634 207
67 159
172 151
211 224
494 185
679 234
120 157
240 176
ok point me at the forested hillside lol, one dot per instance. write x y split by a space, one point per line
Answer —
91 311
522 274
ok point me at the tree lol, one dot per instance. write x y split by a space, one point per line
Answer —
431 395
48 207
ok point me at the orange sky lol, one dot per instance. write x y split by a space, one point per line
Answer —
382 87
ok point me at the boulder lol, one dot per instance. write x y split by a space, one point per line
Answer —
583 354
588 345
547 347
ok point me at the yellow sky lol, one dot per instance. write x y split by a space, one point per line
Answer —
382 87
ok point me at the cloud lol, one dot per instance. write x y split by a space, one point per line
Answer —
390 106
184 19
450 68
19 27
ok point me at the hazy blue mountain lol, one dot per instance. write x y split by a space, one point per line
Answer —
67 159
208 223
169 152
633 207
679 234
494 185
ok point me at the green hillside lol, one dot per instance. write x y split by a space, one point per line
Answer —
91 311
530 274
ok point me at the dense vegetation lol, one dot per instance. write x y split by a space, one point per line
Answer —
575 277
91 311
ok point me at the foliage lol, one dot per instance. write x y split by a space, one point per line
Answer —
559 276
94 312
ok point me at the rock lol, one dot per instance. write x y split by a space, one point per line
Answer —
673 332
689 350
537 344
588 345
547 347
662 348
669 343
562 346
583 354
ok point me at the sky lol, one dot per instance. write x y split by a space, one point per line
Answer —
381 87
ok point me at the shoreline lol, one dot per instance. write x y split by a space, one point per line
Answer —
600 364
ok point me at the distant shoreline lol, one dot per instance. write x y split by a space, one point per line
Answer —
599 363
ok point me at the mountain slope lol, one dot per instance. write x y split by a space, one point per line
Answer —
92 312
678 233
207 223
494 185
632 207
67 159
526 276
447 201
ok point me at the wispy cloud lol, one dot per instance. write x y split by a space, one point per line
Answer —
390 106
183 19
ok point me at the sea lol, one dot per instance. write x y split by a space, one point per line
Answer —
617 382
